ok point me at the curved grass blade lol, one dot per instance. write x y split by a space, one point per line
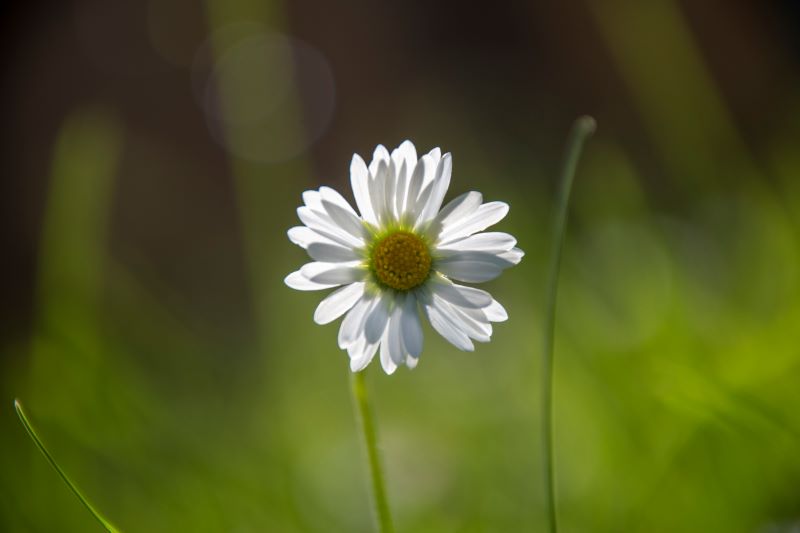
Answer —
581 130
32 433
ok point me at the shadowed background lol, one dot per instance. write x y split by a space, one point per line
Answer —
155 151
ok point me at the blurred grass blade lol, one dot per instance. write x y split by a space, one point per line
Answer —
659 58
581 130
29 428
67 352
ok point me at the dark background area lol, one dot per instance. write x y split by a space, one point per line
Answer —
541 60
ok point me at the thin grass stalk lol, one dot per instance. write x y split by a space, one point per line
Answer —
581 130
368 431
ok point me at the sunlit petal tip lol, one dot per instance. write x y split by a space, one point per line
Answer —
388 364
357 365
301 236
388 367
513 256
495 312
296 280
380 155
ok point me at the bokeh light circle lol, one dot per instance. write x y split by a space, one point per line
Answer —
266 96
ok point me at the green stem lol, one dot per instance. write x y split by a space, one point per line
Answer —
32 433
371 442
581 130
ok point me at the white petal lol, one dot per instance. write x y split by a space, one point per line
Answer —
470 271
334 273
333 196
313 200
359 181
331 253
345 220
380 154
361 353
435 155
405 162
400 190
411 362
338 303
377 191
494 242
394 335
411 326
445 326
409 153
325 227
335 219
393 352
496 312
513 256
298 281
415 186
398 158
302 236
353 324
386 358
456 210
389 186
440 185
405 158
473 322
422 201
378 318
486 215
460 295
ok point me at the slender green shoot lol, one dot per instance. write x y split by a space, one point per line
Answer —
581 130
364 413
32 433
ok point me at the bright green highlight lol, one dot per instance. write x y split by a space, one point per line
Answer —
367 424
581 130
39 444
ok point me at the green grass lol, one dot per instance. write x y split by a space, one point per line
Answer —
42 448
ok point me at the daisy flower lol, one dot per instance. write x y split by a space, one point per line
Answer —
400 256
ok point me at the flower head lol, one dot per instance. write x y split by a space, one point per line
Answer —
399 257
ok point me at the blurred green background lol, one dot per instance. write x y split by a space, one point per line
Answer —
155 152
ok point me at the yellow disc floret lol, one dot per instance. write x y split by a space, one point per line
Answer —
401 260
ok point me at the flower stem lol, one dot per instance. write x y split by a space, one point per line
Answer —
581 130
364 413
39 444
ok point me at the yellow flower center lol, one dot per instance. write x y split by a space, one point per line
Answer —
401 260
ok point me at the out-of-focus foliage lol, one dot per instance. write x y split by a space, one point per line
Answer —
677 355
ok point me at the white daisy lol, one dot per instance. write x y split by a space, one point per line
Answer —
400 256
